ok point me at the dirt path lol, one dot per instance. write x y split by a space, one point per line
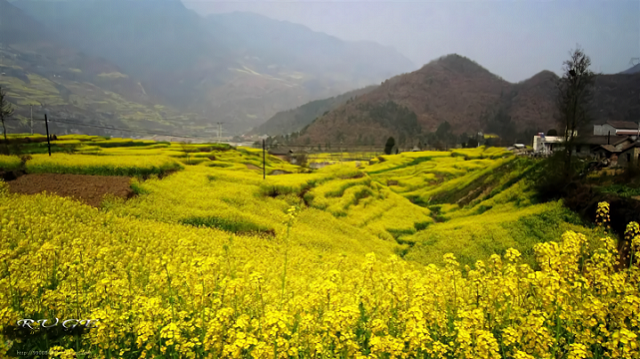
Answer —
87 189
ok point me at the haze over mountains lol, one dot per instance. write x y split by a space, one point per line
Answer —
39 70
463 93
238 68
296 119
153 65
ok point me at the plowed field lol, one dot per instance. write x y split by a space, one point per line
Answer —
87 189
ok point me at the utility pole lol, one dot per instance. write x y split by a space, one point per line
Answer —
31 120
264 162
219 131
46 124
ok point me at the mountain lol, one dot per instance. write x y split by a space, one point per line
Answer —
467 96
38 70
237 68
281 45
296 119
451 88
160 42
633 70
617 98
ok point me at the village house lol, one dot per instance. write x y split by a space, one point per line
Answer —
287 154
615 141
546 144
616 128
588 145
284 154
629 155
613 147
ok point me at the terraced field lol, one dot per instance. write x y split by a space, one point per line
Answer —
416 255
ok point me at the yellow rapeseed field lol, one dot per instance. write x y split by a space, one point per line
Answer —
215 262
161 290
9 163
101 165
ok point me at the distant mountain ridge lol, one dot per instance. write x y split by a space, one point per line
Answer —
296 119
633 70
467 96
37 70
237 68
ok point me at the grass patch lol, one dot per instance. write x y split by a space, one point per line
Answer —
241 226
138 189
620 190
479 236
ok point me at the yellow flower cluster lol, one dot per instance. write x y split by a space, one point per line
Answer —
9 163
165 290
602 215
101 165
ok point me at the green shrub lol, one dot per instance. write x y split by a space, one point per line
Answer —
238 226
138 189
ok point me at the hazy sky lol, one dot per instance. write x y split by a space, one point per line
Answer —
513 39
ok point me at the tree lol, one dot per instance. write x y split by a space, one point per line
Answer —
502 125
575 90
6 110
444 135
301 159
443 129
463 139
388 147
527 135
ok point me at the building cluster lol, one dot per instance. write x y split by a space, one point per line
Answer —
617 143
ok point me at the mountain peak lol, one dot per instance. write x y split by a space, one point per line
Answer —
544 75
456 63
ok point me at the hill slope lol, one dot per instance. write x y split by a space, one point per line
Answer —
633 70
467 96
40 71
225 67
296 119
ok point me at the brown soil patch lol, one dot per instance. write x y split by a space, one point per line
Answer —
86 189
253 167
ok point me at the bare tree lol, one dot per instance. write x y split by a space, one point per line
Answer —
575 91
6 110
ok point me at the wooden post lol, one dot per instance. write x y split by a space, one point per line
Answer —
46 123
264 162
